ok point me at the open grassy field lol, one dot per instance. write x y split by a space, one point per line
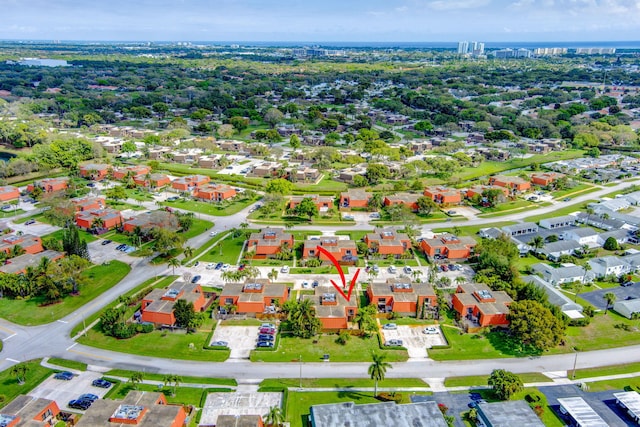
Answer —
312 350
185 379
31 312
341 382
211 208
9 386
628 368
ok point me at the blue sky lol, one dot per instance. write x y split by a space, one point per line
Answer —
321 20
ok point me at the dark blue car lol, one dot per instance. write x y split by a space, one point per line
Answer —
64 375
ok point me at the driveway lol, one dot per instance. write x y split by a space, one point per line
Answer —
237 403
241 339
621 292
414 340
103 253
37 229
63 391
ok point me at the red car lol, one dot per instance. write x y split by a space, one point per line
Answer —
268 331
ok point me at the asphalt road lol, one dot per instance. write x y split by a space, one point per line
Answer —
23 343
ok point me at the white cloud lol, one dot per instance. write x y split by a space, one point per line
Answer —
402 9
457 4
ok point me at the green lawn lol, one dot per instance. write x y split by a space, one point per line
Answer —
71 364
628 368
227 251
212 208
513 205
574 191
39 217
11 213
121 206
183 395
617 385
83 235
549 417
198 227
9 384
139 194
185 379
326 184
29 312
341 382
312 350
480 380
472 230
560 212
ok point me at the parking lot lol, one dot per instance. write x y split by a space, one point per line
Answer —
100 253
37 228
63 391
241 339
237 404
621 292
414 340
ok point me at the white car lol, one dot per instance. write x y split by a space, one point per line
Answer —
213 233
408 270
430 330
390 326
392 269
211 266
225 267
284 269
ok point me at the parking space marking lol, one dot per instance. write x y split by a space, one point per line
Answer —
88 354
71 346
62 321
13 360
9 337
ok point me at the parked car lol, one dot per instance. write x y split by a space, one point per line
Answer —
451 212
268 331
444 267
407 270
120 246
393 343
210 266
430 330
225 267
265 337
315 284
197 263
172 198
349 217
64 375
268 344
566 199
242 267
374 215
268 325
101 383
627 284
213 233
88 396
392 269
30 221
284 269
196 278
218 266
80 404
390 326
220 343
106 242
6 208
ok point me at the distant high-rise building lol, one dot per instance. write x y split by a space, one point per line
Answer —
480 48
544 51
463 47
595 50
512 53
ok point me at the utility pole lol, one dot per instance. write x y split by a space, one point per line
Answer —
300 360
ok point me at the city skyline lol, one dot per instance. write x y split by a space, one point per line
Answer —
331 20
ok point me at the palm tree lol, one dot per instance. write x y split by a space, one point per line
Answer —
610 297
460 280
188 251
275 417
537 242
174 262
416 274
136 378
20 370
378 370
303 319
97 223
273 274
251 272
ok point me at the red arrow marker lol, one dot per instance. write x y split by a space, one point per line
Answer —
334 261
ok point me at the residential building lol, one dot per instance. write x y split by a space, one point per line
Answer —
186 157
266 169
620 236
95 171
88 203
558 222
239 421
254 296
553 251
507 414
106 218
559 275
345 251
232 145
346 175
152 180
424 414
268 242
189 183
443 195
215 192
355 198
8 193
448 246
522 229
627 308
323 203
133 171
480 189
580 412
157 305
584 236
514 183
609 266
481 306
50 185
20 263
386 241
149 220
407 199
29 411
139 408
30 243
333 311
403 296
546 178
302 174
555 296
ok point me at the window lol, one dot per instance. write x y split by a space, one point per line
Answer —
228 301
47 414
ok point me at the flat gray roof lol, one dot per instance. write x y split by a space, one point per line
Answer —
508 414
631 401
581 412
424 414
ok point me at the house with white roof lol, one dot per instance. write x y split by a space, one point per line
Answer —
584 236
558 222
553 251
609 266
565 274
555 296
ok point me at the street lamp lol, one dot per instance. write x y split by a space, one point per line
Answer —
575 363
300 359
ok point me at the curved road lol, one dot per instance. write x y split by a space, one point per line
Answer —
24 343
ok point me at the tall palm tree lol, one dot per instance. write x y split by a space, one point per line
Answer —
174 262
273 274
537 242
20 371
378 370
275 417
188 251
136 378
610 297
303 319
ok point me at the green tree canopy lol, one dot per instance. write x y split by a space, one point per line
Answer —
534 325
